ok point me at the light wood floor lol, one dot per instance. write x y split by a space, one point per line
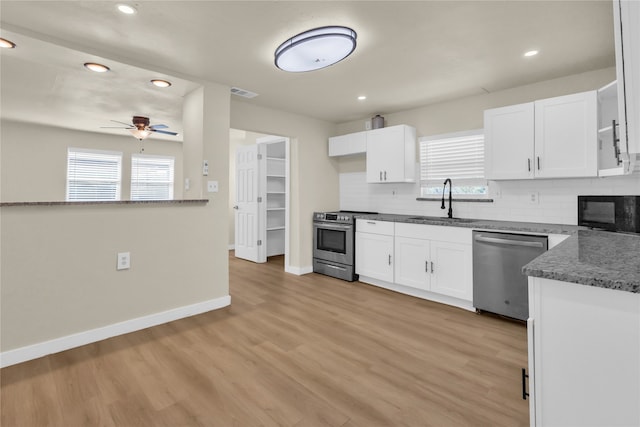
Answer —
290 351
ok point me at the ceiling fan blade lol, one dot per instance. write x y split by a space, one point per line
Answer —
164 131
128 124
158 126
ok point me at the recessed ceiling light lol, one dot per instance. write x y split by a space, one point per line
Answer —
7 44
161 83
127 9
98 68
315 49
362 98
531 53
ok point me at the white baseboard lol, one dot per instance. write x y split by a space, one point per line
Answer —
419 293
299 271
56 345
232 247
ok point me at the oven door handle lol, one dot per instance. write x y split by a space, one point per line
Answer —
332 226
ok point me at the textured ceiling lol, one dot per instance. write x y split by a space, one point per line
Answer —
409 54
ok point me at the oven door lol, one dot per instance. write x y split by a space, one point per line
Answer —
333 242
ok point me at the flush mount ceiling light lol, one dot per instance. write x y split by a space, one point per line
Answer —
362 98
531 53
7 44
161 83
98 68
127 9
315 49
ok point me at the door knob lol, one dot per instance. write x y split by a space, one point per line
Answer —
235 207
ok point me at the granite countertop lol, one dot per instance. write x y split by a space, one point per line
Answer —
479 224
593 258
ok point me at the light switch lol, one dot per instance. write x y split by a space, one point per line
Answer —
212 186
205 167
124 260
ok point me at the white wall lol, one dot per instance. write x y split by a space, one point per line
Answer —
58 263
557 197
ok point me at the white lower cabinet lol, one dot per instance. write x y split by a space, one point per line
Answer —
584 355
374 249
430 262
412 263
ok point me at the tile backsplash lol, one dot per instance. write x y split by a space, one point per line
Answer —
556 198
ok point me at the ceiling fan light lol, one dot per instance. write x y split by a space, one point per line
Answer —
140 134
98 68
7 44
161 83
315 49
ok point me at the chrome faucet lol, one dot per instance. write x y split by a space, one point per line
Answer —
450 213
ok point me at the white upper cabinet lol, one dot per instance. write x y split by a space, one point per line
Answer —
508 133
550 138
343 145
626 20
566 136
391 154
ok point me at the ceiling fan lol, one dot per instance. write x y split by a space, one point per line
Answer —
140 128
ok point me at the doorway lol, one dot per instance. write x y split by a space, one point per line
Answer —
259 196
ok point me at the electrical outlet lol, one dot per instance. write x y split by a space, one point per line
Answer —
534 197
205 167
212 186
124 261
367 124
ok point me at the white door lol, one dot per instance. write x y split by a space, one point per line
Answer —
452 270
412 262
508 142
374 256
566 136
247 231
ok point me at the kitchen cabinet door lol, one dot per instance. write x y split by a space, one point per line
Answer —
391 154
566 136
343 145
412 262
508 133
374 256
586 355
452 269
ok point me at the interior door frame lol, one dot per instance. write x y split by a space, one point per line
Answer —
287 197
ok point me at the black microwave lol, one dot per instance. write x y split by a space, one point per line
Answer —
613 213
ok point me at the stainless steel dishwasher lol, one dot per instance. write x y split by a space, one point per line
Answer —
498 283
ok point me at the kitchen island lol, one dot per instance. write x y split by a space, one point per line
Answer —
584 331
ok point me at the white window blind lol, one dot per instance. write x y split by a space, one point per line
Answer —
151 177
459 156
93 175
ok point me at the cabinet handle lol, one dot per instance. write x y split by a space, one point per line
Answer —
426 266
538 162
524 384
616 145
432 266
380 175
529 165
389 259
371 222
385 175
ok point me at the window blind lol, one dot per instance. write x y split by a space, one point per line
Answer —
93 175
151 177
460 158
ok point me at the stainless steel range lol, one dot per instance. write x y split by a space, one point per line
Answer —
334 240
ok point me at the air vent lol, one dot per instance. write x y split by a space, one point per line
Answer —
243 93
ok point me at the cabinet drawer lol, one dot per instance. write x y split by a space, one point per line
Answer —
375 227
434 232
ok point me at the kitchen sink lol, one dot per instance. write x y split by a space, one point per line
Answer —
443 219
